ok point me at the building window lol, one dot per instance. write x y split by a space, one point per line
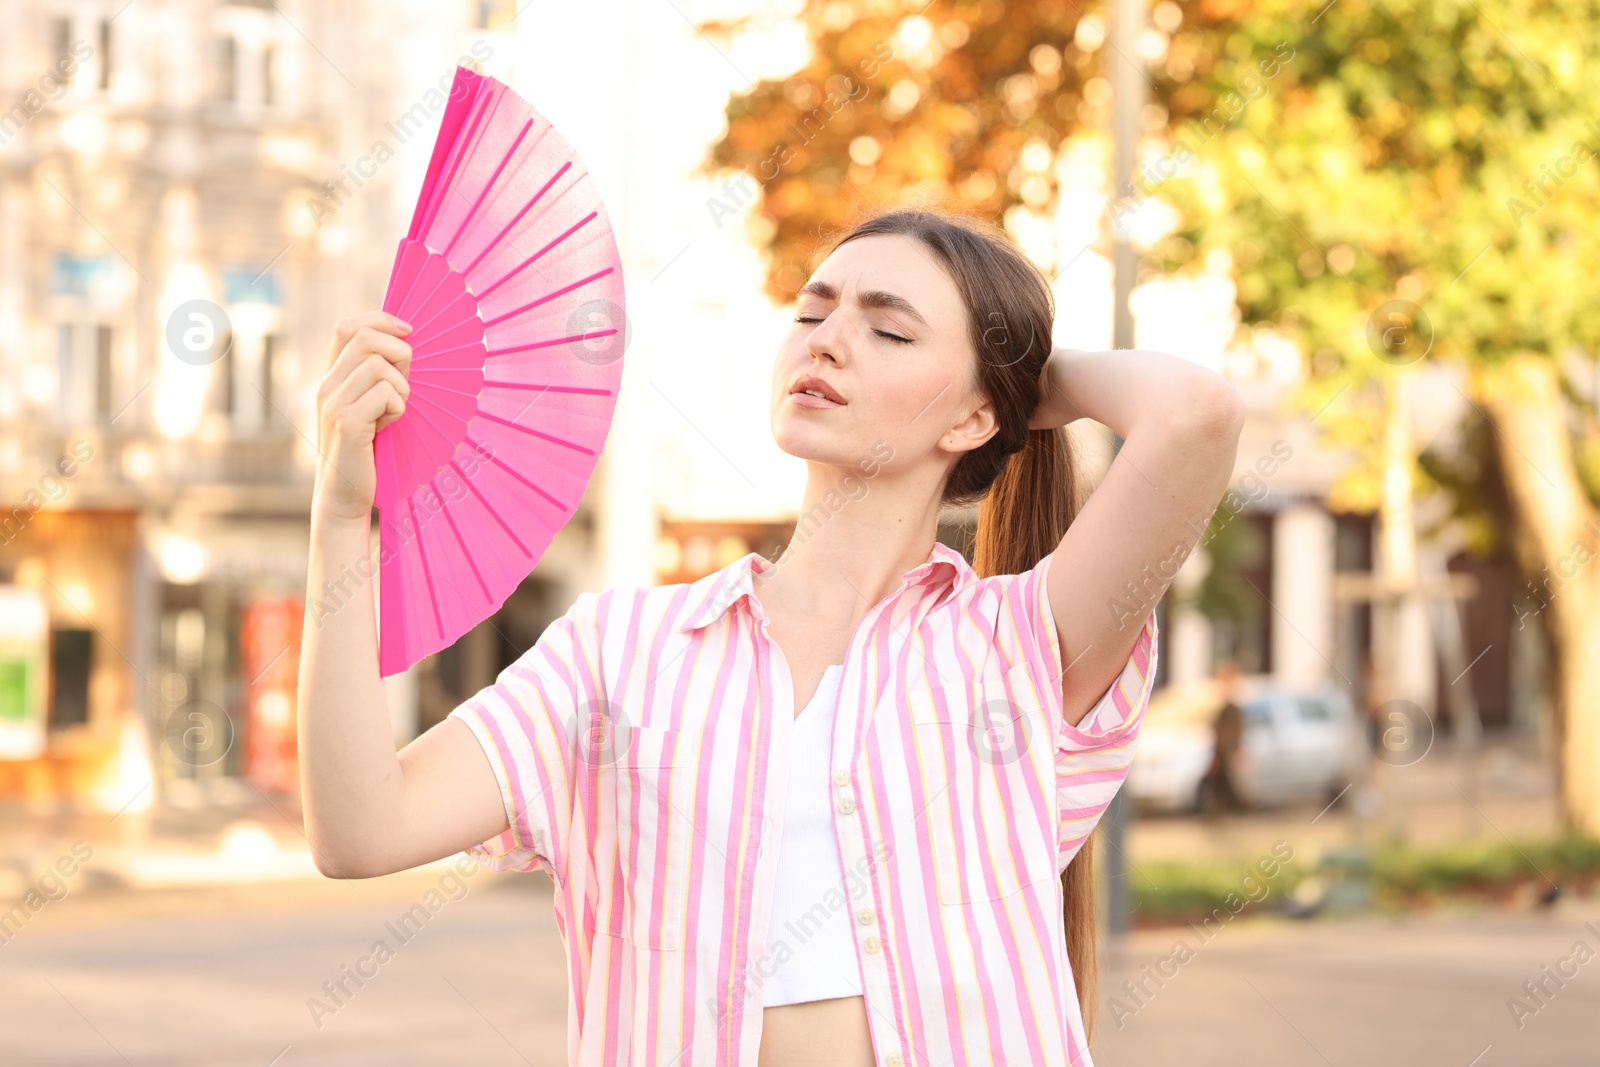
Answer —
66 380
102 372
269 352
229 63
222 384
70 663
494 15
62 31
105 53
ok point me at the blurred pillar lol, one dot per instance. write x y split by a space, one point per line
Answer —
1188 638
1302 593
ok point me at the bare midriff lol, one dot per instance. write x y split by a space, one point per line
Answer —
816 1033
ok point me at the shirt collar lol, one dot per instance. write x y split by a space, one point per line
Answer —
716 593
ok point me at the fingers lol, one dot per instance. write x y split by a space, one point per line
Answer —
373 320
372 369
367 340
394 404
356 421
364 355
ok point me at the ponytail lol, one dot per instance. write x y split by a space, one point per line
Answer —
1020 521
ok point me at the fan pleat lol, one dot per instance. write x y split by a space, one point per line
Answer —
472 215
563 291
467 552
537 433
519 268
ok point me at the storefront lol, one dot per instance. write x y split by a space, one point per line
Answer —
71 661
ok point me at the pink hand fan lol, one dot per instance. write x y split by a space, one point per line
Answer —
510 279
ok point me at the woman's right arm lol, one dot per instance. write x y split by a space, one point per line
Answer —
370 810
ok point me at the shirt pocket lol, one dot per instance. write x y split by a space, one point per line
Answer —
646 774
980 749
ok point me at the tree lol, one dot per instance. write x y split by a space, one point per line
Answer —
1418 183
1393 183
960 102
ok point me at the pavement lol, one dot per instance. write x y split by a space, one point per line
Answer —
1434 990
238 976
198 932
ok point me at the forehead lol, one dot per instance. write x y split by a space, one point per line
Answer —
898 265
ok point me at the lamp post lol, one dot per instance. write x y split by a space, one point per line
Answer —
1127 110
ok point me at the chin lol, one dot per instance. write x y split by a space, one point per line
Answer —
808 442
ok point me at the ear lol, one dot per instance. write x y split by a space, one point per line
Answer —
972 431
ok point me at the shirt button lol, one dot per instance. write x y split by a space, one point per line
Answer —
841 778
846 806
893 1060
871 944
866 915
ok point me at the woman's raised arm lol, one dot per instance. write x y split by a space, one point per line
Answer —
368 809
1180 426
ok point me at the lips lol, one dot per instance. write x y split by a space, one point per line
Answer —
811 382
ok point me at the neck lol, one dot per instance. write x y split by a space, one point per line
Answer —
855 538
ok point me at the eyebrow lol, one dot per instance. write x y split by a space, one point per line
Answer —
872 298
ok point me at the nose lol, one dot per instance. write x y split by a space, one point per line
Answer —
821 342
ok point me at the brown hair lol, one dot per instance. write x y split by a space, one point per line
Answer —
1024 481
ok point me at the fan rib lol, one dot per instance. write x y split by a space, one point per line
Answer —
518 217
427 573
448 389
519 477
547 344
445 352
506 526
423 415
498 319
449 270
411 284
536 433
466 549
523 265
472 212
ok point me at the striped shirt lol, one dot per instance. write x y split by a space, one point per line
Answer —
641 751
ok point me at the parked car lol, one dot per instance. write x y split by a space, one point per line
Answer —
1297 744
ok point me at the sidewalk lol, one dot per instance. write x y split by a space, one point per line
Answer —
1430 803
226 832
1412 990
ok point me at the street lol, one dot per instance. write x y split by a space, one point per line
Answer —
232 977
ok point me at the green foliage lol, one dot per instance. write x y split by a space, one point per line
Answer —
1434 153
1485 865
1175 892
1400 876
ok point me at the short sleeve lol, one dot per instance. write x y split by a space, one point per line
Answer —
1092 757
527 724
1027 624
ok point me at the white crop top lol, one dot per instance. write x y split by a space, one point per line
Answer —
810 908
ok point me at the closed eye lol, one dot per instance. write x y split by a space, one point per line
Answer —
880 333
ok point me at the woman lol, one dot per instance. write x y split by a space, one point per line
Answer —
815 811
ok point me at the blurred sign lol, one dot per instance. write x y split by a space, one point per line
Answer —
24 649
270 647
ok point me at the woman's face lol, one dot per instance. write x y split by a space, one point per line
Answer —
885 328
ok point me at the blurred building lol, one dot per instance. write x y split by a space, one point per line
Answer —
191 194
